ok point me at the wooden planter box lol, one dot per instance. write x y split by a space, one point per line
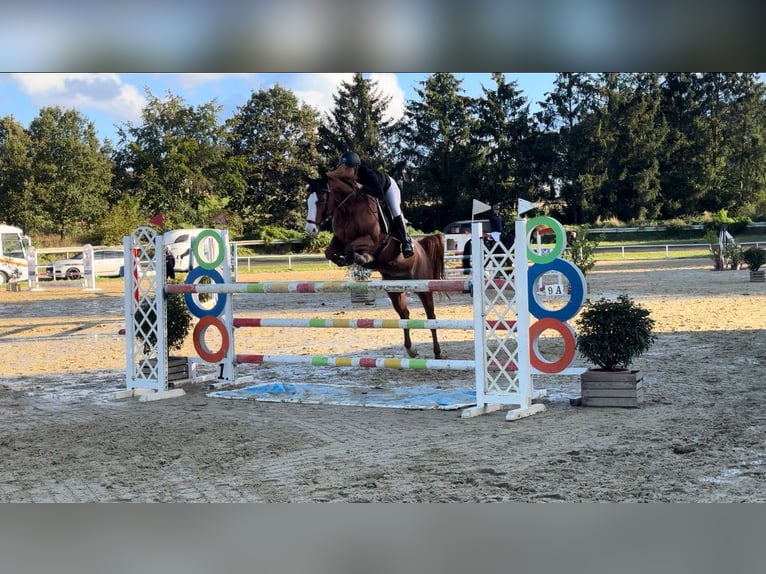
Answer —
178 368
365 298
612 388
758 276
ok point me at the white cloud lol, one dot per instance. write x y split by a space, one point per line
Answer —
103 92
193 80
318 90
389 86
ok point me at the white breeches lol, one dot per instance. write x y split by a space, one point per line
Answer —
393 198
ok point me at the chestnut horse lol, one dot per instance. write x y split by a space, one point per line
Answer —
358 238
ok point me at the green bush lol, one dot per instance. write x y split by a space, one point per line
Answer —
582 251
318 243
611 334
754 258
179 321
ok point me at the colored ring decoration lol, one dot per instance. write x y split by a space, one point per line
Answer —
196 310
576 283
199 339
566 332
198 242
558 230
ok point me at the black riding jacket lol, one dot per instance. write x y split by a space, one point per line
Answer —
374 183
496 222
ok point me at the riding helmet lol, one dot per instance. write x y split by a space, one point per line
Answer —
350 159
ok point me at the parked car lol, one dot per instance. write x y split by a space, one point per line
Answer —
106 263
179 242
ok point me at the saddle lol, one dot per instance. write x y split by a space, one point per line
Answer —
384 216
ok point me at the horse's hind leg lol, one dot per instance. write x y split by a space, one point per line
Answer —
399 301
427 299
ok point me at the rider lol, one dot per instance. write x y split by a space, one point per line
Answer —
496 223
381 186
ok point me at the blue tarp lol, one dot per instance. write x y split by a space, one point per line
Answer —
324 394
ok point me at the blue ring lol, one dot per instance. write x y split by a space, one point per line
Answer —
196 310
576 282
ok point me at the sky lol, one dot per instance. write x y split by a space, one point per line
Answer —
113 99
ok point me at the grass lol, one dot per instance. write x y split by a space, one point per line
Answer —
282 268
649 255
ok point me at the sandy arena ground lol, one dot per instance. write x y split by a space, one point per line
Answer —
699 437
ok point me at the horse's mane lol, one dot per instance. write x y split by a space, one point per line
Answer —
341 183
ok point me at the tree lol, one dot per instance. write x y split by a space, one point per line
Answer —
358 122
577 172
632 134
273 140
744 187
175 158
439 151
70 175
16 204
503 134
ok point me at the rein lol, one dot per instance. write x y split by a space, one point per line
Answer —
338 205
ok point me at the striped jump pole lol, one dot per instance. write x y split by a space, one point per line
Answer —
366 362
374 362
369 323
412 286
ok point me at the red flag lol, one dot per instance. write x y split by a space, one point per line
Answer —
221 218
158 220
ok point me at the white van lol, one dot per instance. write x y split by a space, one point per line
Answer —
179 241
457 233
14 251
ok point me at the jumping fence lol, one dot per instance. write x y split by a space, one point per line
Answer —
505 343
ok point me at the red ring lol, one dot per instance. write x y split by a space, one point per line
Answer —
199 343
566 332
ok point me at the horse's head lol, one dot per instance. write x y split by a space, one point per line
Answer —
324 193
318 196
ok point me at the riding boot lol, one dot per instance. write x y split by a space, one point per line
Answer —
400 232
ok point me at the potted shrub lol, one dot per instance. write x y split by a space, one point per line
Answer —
611 334
734 255
755 258
358 273
179 324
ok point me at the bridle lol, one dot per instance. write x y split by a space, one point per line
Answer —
323 188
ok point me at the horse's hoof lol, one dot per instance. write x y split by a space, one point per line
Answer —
412 353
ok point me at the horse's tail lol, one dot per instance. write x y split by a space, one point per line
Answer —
433 245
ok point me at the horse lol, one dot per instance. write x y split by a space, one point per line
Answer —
360 237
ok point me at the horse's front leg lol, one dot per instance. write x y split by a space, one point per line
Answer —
335 252
399 300
361 253
363 259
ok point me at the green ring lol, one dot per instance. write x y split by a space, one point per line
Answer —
558 230
221 250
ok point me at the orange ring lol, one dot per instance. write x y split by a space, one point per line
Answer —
566 332
199 339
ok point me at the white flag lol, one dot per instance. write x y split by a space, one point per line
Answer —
525 205
479 207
